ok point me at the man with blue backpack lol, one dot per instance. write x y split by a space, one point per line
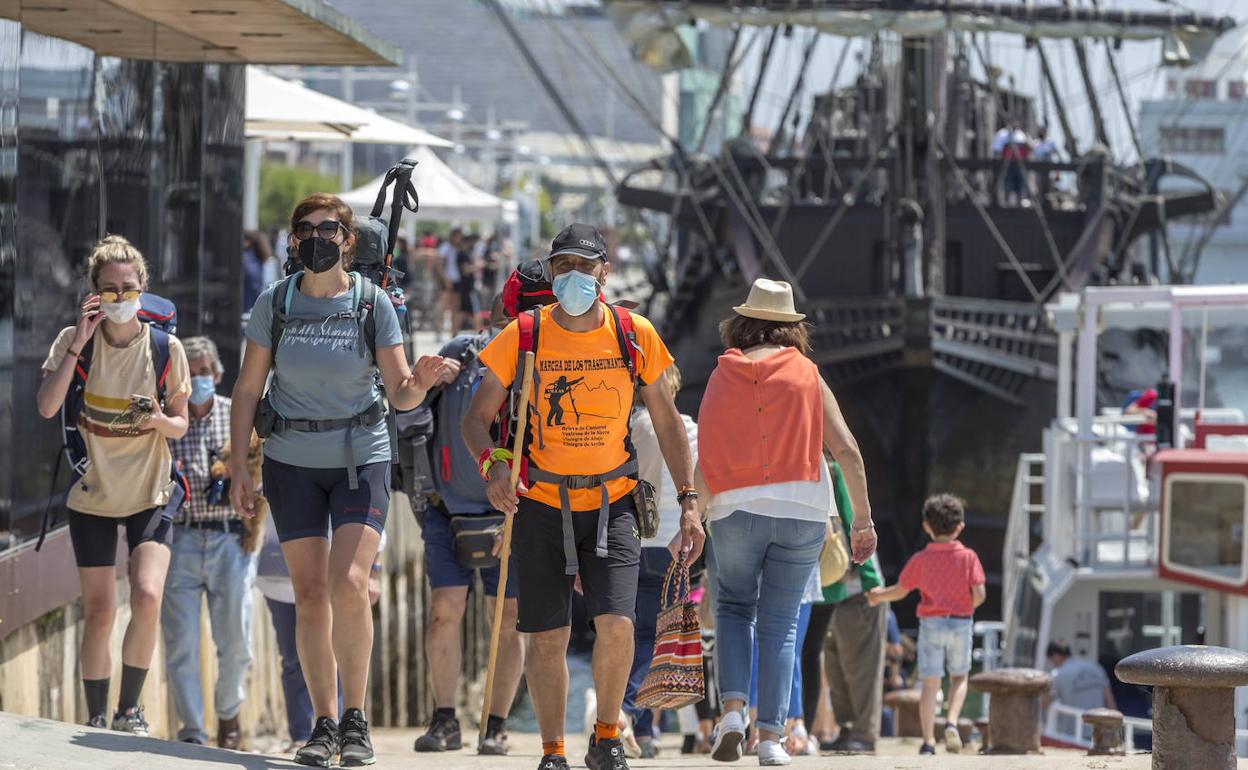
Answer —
458 533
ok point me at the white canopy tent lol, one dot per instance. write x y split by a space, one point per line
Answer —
283 110
444 195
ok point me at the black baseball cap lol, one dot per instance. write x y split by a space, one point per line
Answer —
581 240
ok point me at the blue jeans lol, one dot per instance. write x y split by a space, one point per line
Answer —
795 694
211 562
944 643
299 713
654 563
294 688
774 557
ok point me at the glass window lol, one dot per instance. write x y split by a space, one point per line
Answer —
1205 525
1194 140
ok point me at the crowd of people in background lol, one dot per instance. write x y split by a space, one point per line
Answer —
768 476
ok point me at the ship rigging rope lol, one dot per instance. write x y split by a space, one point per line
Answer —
681 162
1059 262
847 201
992 226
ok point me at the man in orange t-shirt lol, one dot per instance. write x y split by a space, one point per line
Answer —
578 515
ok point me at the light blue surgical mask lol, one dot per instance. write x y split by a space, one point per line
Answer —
202 389
576 292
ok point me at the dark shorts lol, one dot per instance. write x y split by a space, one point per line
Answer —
306 502
441 566
467 295
95 537
610 583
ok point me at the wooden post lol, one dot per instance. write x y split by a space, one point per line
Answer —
504 554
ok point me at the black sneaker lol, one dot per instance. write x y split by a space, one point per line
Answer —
606 754
553 762
927 749
355 748
443 735
322 748
130 721
493 744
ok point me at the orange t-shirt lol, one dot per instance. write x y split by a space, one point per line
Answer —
578 416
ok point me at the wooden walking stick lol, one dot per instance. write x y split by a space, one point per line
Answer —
504 553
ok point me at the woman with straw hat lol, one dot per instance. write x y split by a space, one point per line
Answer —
766 417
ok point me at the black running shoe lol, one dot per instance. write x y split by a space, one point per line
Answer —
354 746
927 749
130 721
493 744
553 762
322 748
99 721
606 754
443 735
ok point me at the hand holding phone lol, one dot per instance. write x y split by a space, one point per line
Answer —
90 318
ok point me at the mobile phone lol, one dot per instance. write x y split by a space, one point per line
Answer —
141 403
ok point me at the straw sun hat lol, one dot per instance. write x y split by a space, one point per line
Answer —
770 301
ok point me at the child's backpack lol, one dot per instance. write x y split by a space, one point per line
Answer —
161 317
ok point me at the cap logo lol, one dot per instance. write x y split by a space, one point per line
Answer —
588 244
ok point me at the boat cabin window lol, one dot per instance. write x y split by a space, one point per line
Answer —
1205 514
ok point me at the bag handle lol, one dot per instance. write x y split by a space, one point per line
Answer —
678 570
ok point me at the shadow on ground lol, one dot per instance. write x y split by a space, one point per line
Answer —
151 747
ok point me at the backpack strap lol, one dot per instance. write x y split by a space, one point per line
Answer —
282 294
530 327
626 336
159 343
364 299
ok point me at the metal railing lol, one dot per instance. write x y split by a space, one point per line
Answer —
1028 479
1060 718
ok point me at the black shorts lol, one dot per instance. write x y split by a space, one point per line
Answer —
610 583
306 502
95 537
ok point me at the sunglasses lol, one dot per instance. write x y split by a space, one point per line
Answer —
129 295
327 229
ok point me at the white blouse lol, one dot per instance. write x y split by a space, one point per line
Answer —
803 500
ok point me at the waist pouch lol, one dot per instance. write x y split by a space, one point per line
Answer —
266 418
473 540
647 509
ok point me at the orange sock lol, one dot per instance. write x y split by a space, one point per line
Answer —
553 748
606 730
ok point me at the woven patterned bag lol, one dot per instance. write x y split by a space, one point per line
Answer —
675 678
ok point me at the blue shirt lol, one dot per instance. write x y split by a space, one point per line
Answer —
320 374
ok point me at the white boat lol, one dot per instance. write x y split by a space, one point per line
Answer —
1113 546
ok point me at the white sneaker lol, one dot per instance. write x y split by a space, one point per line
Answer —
953 740
729 735
771 753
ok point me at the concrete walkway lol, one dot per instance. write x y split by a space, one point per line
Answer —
40 744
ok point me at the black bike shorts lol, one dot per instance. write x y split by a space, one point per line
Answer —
305 502
609 584
95 537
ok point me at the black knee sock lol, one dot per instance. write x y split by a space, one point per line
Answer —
97 697
495 724
131 685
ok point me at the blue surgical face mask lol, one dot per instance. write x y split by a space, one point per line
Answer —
202 389
576 292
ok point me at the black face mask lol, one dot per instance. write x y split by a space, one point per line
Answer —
318 254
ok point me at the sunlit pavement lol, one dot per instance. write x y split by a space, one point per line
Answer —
40 744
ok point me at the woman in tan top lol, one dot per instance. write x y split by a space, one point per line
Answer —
127 480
